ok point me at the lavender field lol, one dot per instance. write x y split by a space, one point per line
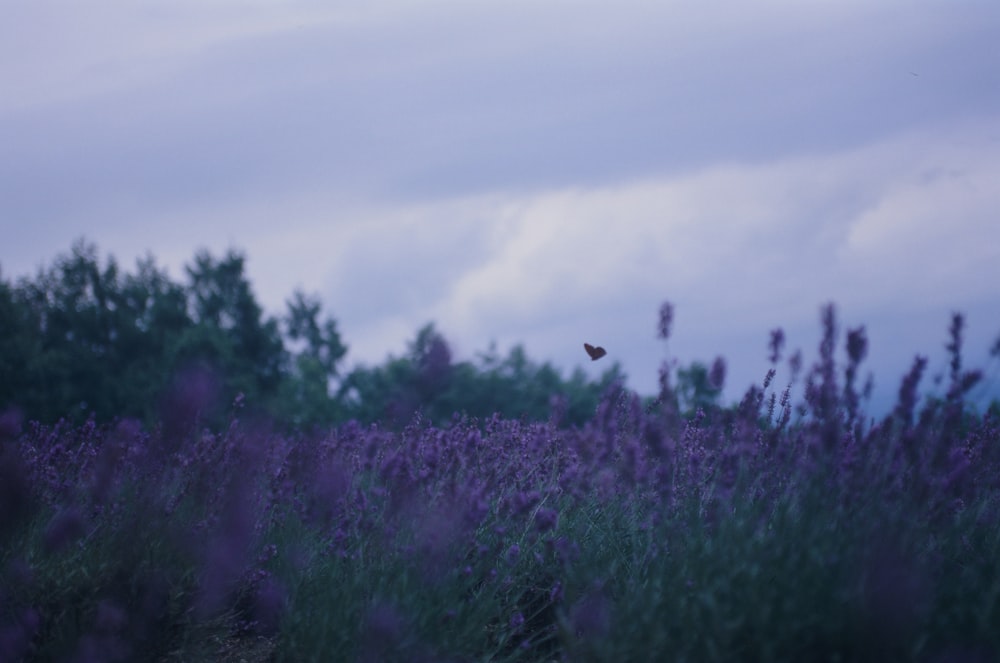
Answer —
779 529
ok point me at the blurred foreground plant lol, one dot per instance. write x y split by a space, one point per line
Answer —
771 531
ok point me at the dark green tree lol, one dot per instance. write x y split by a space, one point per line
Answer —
427 381
90 340
381 393
19 351
402 386
699 388
230 336
74 308
153 310
83 338
308 394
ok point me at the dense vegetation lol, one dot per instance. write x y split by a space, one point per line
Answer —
772 531
85 340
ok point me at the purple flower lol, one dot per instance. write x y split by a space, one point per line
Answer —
269 606
795 363
383 631
666 319
896 590
558 406
110 617
526 501
433 360
566 550
10 424
954 346
193 393
15 638
16 500
64 528
767 378
857 345
908 390
776 344
556 593
591 616
18 573
546 519
717 374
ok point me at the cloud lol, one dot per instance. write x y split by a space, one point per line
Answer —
545 173
738 248
121 107
932 229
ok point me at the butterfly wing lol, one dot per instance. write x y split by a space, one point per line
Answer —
595 353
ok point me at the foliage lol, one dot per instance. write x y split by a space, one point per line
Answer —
86 340
774 531
427 381
95 342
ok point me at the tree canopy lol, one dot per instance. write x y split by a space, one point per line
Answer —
86 339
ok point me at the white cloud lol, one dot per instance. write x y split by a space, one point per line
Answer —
935 227
545 173
739 249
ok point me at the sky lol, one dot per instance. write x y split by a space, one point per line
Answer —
536 173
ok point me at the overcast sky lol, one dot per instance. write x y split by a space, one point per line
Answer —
540 172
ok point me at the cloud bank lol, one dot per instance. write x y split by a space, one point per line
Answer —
525 172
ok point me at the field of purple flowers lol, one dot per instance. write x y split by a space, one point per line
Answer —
770 531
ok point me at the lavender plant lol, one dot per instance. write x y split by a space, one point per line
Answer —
769 531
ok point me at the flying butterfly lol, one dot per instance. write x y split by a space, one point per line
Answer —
595 353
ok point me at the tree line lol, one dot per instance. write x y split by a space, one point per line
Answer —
84 339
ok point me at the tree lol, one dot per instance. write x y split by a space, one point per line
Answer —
699 388
73 307
308 392
154 310
87 340
380 393
231 334
428 381
19 349
403 386
84 338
